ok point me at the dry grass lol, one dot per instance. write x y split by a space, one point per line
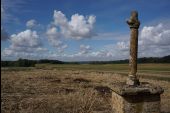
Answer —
63 91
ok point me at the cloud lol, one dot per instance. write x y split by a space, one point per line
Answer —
84 49
123 46
155 35
154 41
119 50
24 44
62 48
25 38
54 38
78 27
84 52
4 34
108 52
31 23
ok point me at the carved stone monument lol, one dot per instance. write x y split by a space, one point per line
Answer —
133 96
134 24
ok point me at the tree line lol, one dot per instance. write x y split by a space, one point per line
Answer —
28 63
165 59
31 63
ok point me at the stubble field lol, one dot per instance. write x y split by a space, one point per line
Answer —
70 88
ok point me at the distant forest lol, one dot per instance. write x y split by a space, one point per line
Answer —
31 63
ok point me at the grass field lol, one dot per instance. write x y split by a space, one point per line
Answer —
151 68
152 71
71 88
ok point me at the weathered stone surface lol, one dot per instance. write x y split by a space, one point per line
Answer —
134 24
144 98
133 96
136 104
144 88
133 81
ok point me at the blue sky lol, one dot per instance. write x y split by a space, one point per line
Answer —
76 30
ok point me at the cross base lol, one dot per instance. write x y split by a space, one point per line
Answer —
132 81
144 98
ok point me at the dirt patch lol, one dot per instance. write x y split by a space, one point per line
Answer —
56 81
103 89
46 78
67 90
81 80
30 78
67 78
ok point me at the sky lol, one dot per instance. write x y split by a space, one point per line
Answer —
82 30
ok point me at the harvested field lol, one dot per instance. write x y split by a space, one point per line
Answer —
71 88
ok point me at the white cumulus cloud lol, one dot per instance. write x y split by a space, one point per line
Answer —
31 23
155 35
78 27
54 38
25 38
154 41
24 44
53 35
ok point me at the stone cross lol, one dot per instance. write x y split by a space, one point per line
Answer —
134 24
133 96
